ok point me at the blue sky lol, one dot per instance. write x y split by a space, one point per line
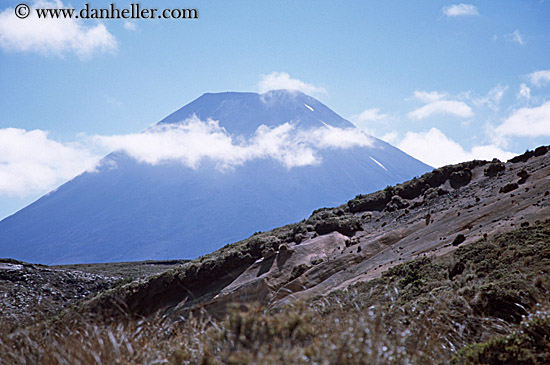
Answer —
445 81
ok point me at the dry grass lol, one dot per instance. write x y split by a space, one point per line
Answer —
87 341
300 334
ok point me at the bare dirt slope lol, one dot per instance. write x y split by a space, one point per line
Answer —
334 248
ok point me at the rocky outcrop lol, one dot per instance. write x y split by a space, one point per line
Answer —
428 185
347 225
460 178
541 151
508 188
494 168
396 203
371 202
523 175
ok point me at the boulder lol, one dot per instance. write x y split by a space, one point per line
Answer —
494 168
460 178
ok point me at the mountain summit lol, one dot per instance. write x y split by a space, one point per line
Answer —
242 113
213 172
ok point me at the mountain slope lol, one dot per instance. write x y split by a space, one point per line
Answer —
130 210
334 248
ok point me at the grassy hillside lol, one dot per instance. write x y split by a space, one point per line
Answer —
486 302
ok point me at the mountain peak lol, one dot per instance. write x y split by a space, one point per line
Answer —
243 112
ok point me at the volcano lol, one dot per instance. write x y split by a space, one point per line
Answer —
136 207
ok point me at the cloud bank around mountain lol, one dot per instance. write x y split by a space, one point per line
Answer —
31 161
194 141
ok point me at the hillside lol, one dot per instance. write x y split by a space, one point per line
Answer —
337 247
451 266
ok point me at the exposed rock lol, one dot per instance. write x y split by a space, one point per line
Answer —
522 158
345 225
458 239
396 203
283 247
494 168
432 193
541 151
460 178
411 189
371 202
523 175
508 188
297 271
268 252
316 261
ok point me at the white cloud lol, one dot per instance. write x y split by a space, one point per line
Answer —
130 25
527 122
539 78
52 36
31 162
495 94
524 92
440 107
429 97
436 104
193 141
368 115
460 10
515 37
436 149
390 137
364 119
493 97
282 80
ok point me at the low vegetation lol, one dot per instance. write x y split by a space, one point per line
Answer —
127 270
487 302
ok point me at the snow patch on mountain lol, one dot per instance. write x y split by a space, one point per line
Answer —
378 163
